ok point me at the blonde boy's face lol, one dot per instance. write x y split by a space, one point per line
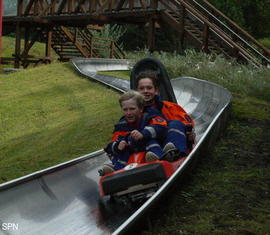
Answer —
147 89
131 110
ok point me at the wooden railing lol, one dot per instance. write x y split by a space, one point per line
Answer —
101 47
87 45
234 31
253 52
215 24
63 7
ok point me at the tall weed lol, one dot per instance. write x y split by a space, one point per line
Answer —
265 42
103 38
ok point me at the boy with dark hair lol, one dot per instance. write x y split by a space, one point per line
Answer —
179 122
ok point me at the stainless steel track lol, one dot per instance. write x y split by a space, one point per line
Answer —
64 199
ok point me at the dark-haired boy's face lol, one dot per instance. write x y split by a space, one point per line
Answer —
147 89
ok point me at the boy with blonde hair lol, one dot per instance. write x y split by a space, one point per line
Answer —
138 130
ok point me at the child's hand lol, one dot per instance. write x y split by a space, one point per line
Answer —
136 135
122 145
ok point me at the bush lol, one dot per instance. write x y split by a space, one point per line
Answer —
245 80
265 42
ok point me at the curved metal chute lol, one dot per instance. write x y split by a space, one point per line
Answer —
64 199
90 68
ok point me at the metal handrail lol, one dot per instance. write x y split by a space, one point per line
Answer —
108 43
213 27
232 24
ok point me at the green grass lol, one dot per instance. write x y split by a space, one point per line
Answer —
49 115
265 42
8 48
38 49
120 74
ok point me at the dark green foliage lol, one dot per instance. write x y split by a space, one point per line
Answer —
265 42
135 37
166 38
10 7
252 15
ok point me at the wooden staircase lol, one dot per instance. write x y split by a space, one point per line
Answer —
196 21
212 32
70 42
195 32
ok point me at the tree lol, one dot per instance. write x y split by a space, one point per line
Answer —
10 7
252 15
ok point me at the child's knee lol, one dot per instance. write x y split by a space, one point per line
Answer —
176 124
154 147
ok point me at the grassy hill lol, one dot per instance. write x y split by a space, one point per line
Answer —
8 49
50 114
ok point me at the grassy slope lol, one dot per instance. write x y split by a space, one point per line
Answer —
228 192
49 115
8 49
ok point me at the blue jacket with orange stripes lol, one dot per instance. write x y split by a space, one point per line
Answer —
172 111
152 125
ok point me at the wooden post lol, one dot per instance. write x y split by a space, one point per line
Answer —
151 35
235 51
264 61
70 6
92 6
52 9
205 39
111 49
26 36
17 46
18 35
182 29
91 47
75 35
26 48
111 5
20 8
36 8
48 44
154 4
131 4
1 14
